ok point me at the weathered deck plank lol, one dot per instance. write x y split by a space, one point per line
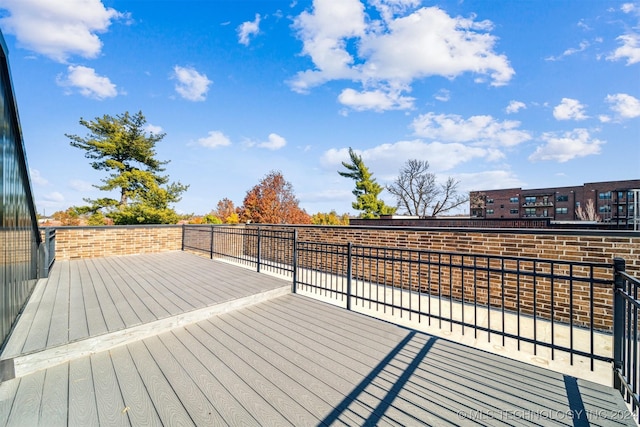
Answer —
59 328
139 407
83 409
55 397
78 327
108 396
225 403
24 411
167 404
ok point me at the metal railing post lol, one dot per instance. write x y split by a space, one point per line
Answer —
618 321
183 233
259 251
294 261
349 249
211 244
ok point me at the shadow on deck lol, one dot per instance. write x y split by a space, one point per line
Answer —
173 338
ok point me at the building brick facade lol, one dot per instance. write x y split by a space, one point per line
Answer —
613 201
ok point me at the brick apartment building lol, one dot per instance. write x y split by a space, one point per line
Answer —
615 202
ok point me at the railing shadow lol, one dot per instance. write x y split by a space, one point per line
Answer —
379 411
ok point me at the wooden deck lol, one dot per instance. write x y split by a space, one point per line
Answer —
279 360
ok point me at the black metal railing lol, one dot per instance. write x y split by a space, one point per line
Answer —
577 309
49 245
626 363
504 297
265 249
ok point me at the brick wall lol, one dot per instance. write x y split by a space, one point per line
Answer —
90 242
598 247
587 246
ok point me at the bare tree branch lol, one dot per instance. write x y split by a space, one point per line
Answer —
417 192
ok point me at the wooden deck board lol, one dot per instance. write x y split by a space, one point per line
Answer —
111 408
225 403
95 317
110 312
200 409
83 409
250 401
55 396
59 328
24 411
78 327
139 407
166 402
236 360
351 365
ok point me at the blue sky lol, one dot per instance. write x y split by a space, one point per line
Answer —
496 94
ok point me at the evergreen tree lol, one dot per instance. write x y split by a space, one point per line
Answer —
120 146
367 189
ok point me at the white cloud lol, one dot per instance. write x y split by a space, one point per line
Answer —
215 139
571 51
515 106
149 128
36 177
87 82
479 130
81 186
566 146
275 142
630 49
630 42
58 29
625 106
191 85
388 55
443 95
569 109
488 180
248 29
377 100
386 159
54 197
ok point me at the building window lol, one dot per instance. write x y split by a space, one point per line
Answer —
489 201
530 212
513 200
513 211
489 211
530 199
605 196
561 211
604 209
620 194
562 199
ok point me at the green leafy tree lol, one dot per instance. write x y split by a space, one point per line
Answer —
120 146
367 189
331 218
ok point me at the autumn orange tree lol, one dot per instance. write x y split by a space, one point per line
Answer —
226 211
273 201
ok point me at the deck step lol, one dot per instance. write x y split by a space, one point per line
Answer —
25 364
